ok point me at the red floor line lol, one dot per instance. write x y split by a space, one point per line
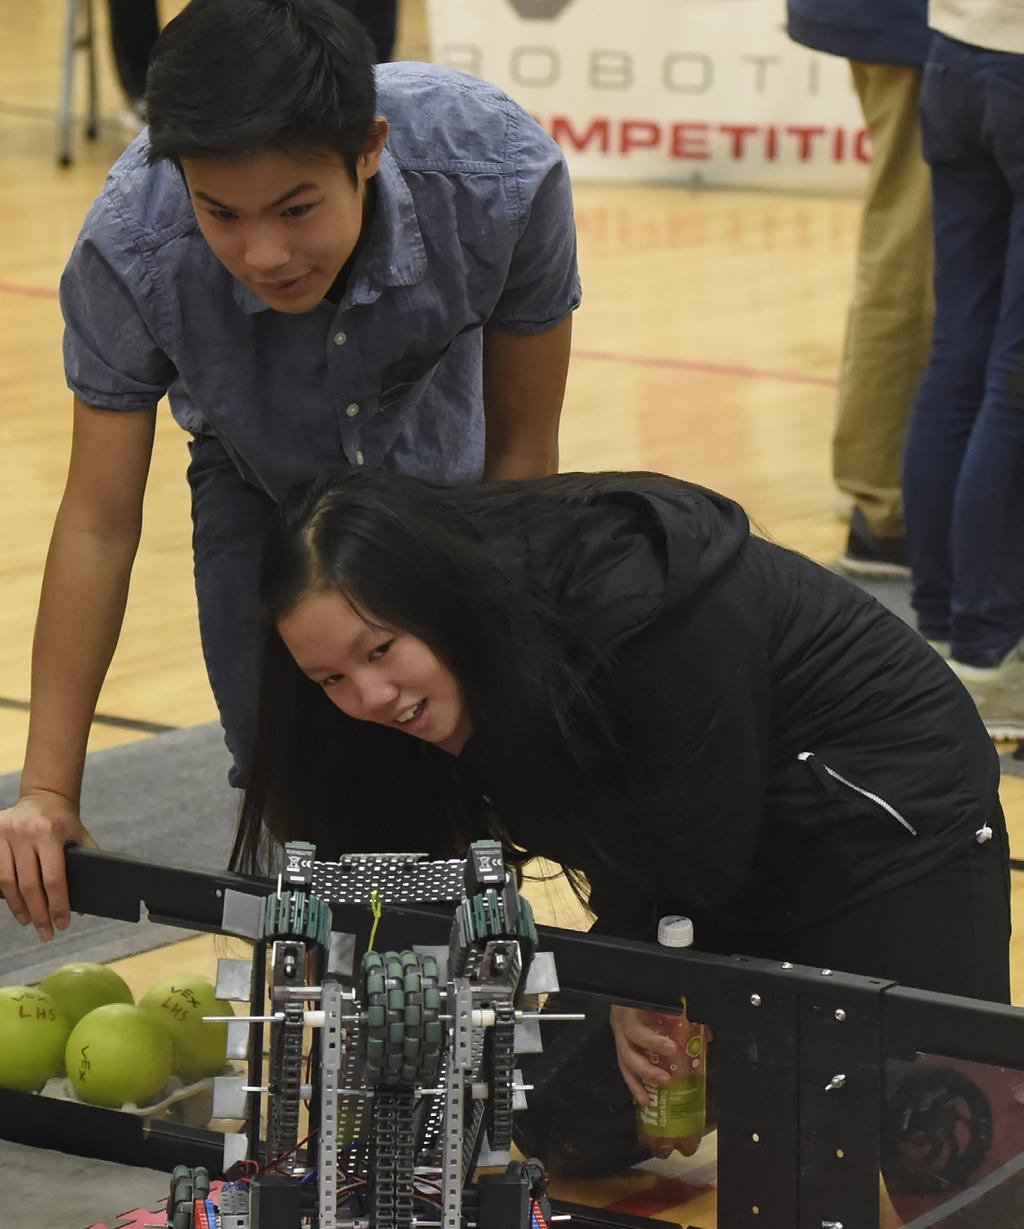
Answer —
29 292
717 369
598 356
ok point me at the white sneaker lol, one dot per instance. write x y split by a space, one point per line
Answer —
132 116
842 504
129 122
998 692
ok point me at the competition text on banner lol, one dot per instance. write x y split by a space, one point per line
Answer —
692 91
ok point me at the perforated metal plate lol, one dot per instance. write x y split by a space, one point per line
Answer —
398 879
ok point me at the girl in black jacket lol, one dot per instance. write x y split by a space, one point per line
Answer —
611 671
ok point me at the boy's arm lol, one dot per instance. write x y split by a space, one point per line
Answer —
524 385
85 586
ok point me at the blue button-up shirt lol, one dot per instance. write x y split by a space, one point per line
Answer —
473 225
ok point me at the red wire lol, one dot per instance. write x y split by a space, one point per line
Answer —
285 1155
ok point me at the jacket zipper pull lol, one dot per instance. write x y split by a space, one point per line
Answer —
983 834
828 782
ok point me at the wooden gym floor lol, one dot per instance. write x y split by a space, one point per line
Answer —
707 346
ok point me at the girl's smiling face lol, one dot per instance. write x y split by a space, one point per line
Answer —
375 673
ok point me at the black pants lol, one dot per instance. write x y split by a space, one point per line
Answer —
133 31
947 932
229 519
379 17
134 28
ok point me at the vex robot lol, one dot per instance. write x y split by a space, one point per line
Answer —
389 1080
381 1074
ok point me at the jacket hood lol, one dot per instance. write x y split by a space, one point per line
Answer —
622 549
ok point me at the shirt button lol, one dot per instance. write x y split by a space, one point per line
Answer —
352 410
359 458
340 338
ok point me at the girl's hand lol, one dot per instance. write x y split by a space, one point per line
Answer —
644 1052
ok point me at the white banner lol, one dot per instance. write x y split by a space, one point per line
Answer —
692 91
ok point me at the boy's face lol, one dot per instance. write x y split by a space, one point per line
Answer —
283 223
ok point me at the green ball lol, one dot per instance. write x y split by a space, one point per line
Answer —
33 1033
200 1047
118 1054
80 988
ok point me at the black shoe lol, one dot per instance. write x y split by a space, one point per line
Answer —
868 555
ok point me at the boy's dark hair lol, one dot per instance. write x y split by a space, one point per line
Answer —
229 78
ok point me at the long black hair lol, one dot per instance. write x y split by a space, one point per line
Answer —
451 567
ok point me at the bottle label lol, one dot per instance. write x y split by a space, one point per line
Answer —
677 1110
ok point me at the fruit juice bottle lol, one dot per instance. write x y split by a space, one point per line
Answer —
675 1117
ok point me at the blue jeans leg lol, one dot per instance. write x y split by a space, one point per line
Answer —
229 518
953 550
988 511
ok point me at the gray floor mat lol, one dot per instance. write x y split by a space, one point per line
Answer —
165 798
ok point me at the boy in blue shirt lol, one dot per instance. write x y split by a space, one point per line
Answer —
315 263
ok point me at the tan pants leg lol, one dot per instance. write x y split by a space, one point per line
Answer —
888 332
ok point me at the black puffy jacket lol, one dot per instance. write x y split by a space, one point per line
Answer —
792 747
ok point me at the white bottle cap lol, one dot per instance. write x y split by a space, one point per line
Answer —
675 931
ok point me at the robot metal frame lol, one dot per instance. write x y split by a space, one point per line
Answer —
410 1078
796 1145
